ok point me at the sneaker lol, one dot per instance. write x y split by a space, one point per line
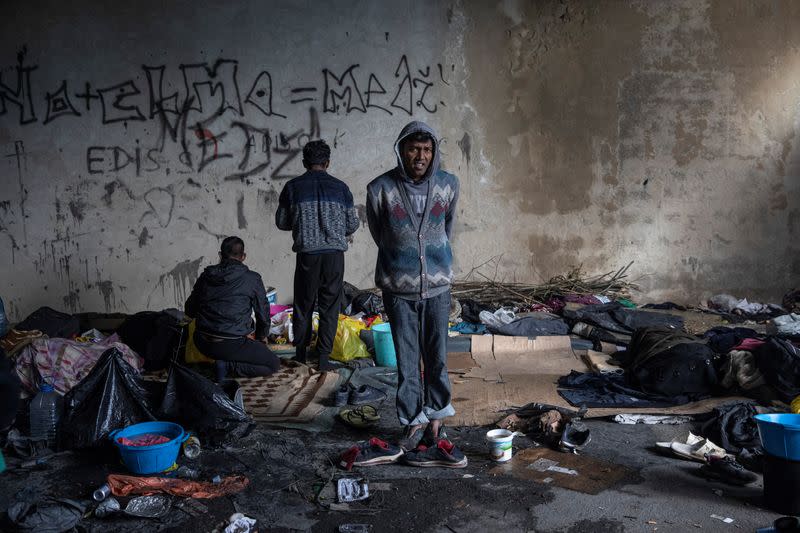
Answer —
370 453
366 394
443 454
342 395
429 439
726 469
574 437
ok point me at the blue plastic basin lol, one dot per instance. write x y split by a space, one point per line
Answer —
150 459
780 435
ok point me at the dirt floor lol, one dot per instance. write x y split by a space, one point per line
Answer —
292 473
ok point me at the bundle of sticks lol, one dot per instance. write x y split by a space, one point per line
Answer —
490 292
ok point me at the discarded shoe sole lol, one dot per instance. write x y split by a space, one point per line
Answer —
370 453
444 454
360 417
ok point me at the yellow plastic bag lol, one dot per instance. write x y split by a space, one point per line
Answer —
347 345
193 355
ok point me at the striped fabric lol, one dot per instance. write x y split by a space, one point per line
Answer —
319 211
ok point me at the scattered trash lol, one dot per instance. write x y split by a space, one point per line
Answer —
191 448
547 480
722 518
154 506
240 523
128 485
191 507
355 528
652 419
651 522
562 470
107 507
185 472
467 476
542 465
718 492
102 492
216 480
350 489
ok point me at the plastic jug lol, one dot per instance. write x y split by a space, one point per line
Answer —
44 414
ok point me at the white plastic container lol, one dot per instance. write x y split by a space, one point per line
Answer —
500 447
44 414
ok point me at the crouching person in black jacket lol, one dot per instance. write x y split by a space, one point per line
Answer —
222 301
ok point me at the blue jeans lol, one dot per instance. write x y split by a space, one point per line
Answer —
419 331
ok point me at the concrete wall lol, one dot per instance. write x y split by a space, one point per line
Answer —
134 137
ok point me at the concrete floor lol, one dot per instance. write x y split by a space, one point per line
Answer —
287 468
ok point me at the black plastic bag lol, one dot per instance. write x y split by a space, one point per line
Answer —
199 404
51 322
367 302
30 512
155 336
779 361
111 397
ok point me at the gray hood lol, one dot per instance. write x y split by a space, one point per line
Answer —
416 127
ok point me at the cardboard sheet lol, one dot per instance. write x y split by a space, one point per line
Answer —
498 356
515 371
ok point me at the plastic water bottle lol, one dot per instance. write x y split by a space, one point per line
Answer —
45 412
191 448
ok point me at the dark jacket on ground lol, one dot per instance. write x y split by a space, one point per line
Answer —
224 297
319 211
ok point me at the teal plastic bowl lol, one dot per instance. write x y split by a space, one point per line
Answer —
780 435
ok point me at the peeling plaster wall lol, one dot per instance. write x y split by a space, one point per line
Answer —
134 137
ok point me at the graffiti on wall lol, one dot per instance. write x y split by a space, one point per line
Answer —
184 125
209 116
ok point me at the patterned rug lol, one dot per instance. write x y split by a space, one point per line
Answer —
297 393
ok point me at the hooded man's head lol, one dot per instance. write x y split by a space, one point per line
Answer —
417 152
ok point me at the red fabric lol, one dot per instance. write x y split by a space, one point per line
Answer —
748 345
375 441
146 439
446 445
349 457
130 485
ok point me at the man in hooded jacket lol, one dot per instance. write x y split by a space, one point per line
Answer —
410 212
223 300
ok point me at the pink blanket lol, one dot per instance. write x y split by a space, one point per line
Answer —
63 362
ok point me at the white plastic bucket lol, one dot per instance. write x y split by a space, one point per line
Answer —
499 440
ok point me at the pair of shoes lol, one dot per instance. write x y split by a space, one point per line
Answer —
360 417
445 454
695 449
574 437
726 469
370 453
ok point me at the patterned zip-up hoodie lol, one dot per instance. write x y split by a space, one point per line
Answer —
414 256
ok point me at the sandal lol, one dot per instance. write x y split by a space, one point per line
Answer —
360 417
